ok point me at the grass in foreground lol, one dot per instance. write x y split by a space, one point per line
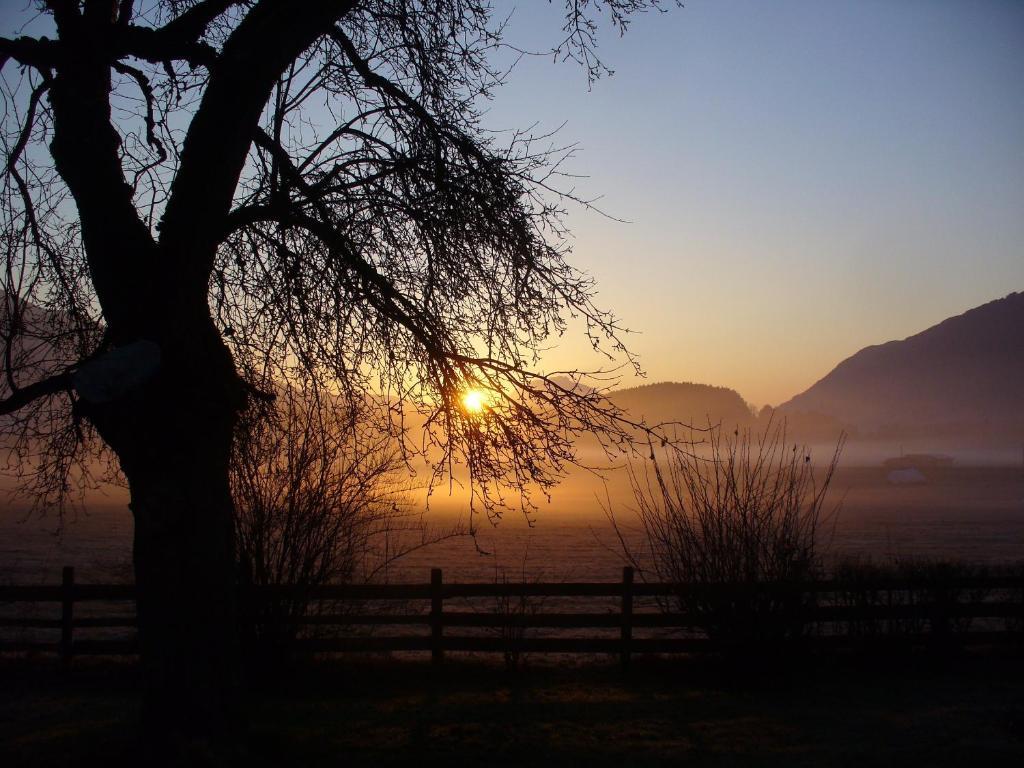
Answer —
917 710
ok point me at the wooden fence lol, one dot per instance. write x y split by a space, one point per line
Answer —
967 610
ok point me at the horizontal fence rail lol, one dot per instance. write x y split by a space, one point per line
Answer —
825 613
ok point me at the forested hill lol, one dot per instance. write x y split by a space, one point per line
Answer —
684 402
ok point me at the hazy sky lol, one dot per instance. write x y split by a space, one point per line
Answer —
803 178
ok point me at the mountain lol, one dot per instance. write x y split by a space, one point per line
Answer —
684 402
964 374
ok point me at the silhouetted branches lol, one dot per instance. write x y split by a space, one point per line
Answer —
321 180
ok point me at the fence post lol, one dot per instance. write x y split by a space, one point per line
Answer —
436 627
67 613
627 615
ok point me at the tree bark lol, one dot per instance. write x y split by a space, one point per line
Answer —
184 556
173 437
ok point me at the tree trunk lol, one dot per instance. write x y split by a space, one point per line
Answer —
184 572
173 433
173 437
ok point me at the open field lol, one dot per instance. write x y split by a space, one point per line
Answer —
969 513
910 710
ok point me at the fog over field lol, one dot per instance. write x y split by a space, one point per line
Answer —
971 513
964 441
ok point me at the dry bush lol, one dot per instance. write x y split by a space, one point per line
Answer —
320 497
935 586
736 525
514 612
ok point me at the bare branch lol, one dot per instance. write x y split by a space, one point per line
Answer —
26 395
147 92
41 54
219 136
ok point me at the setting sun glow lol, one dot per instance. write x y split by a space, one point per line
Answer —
474 401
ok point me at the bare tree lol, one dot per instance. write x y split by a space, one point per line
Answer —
208 194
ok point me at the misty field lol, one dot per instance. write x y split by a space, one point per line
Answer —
969 513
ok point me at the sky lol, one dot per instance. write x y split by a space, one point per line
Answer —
801 178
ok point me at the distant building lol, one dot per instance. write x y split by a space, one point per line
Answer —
908 476
919 461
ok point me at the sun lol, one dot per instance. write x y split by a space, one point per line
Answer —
474 401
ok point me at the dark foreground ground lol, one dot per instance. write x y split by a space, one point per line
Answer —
912 710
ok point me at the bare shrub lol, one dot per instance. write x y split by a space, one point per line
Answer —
736 525
935 587
321 496
860 578
515 612
941 585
